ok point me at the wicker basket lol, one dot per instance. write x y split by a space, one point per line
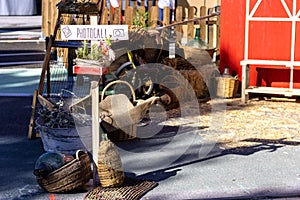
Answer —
110 170
115 133
70 176
226 87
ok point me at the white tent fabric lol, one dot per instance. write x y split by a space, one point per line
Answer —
18 7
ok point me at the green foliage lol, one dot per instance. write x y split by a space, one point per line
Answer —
95 52
142 19
98 50
83 52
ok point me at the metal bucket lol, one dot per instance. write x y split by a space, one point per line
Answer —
64 140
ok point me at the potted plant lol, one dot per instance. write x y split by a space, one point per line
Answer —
99 54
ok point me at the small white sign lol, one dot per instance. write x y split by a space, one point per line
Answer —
94 32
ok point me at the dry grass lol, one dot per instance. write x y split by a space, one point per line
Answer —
236 125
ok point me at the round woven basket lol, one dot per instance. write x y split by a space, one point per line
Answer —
70 176
110 170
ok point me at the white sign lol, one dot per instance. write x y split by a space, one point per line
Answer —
94 32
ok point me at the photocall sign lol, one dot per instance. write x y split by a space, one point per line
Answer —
94 32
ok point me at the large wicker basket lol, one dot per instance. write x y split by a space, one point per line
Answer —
227 87
70 176
110 170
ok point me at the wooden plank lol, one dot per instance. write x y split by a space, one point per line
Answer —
45 102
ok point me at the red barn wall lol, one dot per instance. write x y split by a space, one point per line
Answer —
267 41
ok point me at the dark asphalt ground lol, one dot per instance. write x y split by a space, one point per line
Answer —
18 154
259 172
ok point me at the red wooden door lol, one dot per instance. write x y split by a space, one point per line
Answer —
267 40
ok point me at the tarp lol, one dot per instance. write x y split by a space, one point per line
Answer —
17 7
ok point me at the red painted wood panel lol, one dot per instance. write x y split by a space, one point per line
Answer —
267 41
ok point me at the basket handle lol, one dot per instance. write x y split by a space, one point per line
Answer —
116 82
77 154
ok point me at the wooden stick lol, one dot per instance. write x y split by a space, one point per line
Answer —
31 121
187 21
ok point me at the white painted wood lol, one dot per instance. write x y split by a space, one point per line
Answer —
244 81
95 121
271 90
269 62
292 17
286 8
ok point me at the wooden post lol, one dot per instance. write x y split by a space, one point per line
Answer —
129 15
50 17
202 23
45 18
117 16
104 17
134 7
218 35
179 18
149 4
111 14
244 83
166 16
154 16
142 6
126 4
53 12
190 25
